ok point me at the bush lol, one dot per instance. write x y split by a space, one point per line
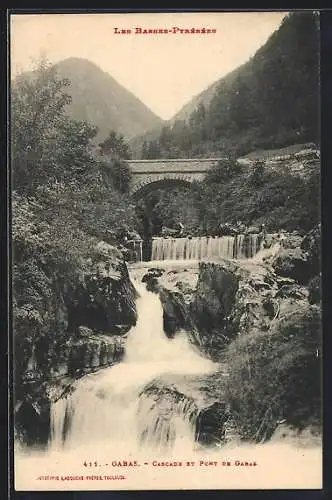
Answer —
119 173
257 175
276 375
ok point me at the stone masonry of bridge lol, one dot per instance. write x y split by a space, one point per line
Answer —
149 173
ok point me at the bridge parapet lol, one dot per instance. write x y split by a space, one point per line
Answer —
172 165
177 171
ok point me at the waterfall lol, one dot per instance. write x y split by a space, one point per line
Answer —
225 247
109 408
118 428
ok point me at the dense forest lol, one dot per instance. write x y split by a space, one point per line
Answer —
270 101
65 200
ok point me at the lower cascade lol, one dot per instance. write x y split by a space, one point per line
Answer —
199 248
109 409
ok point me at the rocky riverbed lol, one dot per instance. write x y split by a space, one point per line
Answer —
258 320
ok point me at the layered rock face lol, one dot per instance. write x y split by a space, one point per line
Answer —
103 299
230 298
94 313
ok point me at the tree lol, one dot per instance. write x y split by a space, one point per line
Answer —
46 145
38 101
144 152
153 150
115 146
119 173
257 175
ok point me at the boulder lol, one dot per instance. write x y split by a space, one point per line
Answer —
153 272
32 421
133 235
160 407
104 297
156 271
84 331
213 300
105 251
253 230
175 312
210 425
291 240
292 263
292 291
152 283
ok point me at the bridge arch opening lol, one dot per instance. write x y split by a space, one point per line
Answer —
163 205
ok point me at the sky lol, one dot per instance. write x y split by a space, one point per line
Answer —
163 70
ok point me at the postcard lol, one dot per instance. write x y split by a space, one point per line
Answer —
166 275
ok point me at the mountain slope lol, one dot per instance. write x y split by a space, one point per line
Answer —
99 99
203 97
270 101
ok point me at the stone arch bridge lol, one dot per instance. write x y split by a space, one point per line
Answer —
151 174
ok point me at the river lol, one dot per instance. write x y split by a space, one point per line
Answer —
110 428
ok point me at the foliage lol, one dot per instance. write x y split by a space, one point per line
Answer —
276 375
115 146
62 205
280 199
223 171
168 207
119 173
256 106
257 174
231 193
45 145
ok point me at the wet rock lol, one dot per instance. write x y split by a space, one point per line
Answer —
160 407
84 331
252 230
72 359
156 272
249 312
151 277
292 291
104 297
284 281
175 312
152 283
259 283
214 299
270 306
291 241
93 309
210 425
292 263
32 421
186 290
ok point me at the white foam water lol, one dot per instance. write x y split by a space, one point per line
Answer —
98 428
202 248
